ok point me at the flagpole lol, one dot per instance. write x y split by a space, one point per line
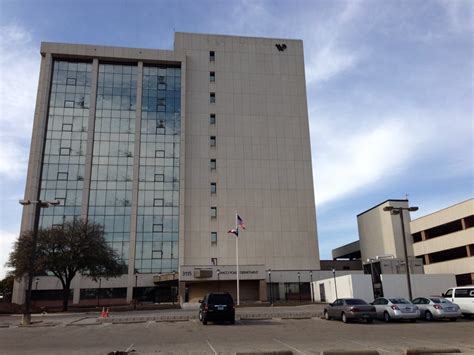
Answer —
237 257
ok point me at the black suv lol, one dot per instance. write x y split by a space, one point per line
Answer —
217 306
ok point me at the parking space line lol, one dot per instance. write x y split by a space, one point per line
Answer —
289 346
129 348
148 323
365 345
212 348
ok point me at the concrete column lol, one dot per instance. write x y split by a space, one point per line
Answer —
463 223
262 290
38 141
423 235
427 259
76 294
182 292
35 162
90 140
281 291
136 172
469 250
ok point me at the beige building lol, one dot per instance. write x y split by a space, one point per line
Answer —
164 147
380 232
445 241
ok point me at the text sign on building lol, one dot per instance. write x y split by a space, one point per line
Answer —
223 272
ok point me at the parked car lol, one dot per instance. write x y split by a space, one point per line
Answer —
390 308
437 308
348 309
463 297
217 306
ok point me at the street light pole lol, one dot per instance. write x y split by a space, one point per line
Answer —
311 285
32 259
399 211
98 293
218 280
271 288
334 276
299 284
136 292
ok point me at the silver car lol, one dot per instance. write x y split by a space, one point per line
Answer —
437 308
390 308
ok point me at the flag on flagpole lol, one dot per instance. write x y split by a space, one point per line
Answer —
240 222
234 231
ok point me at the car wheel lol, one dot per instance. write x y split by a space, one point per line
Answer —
344 318
200 316
369 320
204 321
428 316
326 315
232 321
386 317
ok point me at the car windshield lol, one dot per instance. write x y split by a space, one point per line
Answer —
439 300
355 301
399 301
220 299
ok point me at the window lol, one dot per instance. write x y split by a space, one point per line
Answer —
65 151
214 261
159 153
68 104
213 212
157 228
67 127
160 130
213 238
159 177
212 56
212 119
212 141
212 76
71 81
62 176
213 164
213 187
212 97
158 202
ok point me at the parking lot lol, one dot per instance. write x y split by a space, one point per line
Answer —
304 336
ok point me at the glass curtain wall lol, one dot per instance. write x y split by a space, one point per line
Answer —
66 139
112 162
158 197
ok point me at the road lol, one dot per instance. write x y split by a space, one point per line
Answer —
305 336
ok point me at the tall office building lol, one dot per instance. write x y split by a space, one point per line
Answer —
163 148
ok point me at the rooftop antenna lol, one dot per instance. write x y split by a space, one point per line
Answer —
406 197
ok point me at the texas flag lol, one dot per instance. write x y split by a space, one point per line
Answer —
240 222
234 231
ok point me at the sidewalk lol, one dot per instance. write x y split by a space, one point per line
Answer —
188 312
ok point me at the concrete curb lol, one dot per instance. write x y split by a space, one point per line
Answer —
432 351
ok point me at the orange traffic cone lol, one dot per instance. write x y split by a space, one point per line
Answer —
102 314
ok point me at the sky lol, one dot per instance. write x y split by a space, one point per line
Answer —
389 86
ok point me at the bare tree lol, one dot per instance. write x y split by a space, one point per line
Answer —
76 247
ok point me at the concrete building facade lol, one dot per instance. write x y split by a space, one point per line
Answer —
443 240
164 147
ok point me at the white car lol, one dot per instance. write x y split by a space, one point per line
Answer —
390 308
437 308
464 297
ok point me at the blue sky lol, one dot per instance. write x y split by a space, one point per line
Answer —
389 83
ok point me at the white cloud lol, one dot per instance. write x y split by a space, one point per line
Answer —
19 68
347 160
6 242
